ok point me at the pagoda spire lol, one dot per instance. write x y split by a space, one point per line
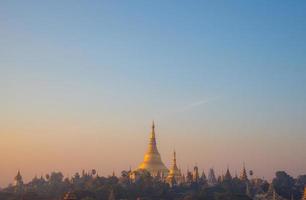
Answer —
153 132
152 159
227 176
18 179
152 142
174 159
243 175
174 167
174 176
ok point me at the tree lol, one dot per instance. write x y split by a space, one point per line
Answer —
283 184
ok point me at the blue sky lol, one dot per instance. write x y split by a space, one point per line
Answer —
232 69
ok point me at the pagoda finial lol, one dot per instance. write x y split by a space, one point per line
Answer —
174 157
153 130
174 165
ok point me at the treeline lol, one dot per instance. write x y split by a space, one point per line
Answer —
89 186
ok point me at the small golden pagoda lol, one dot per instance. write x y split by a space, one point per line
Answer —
227 176
18 179
174 176
243 175
152 160
304 196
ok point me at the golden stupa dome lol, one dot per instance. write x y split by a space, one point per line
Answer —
152 160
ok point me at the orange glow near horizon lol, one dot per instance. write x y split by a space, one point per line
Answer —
70 149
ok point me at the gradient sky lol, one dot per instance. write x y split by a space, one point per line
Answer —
81 82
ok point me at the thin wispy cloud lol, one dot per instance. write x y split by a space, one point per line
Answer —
184 108
196 104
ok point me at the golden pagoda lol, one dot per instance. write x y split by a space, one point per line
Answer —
304 196
243 175
152 160
18 179
174 176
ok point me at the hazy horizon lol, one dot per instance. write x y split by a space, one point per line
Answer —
81 83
